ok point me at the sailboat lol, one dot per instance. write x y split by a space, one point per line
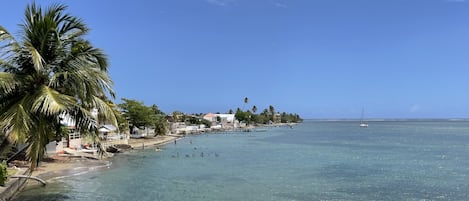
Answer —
363 124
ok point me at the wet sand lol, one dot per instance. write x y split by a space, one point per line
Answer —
56 167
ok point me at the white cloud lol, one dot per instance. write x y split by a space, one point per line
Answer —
221 2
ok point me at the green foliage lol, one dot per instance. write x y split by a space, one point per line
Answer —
140 115
243 116
160 124
49 71
198 121
3 173
290 118
266 116
137 113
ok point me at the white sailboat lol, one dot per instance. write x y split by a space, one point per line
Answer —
363 124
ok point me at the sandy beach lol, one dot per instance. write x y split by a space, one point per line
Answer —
56 167
65 166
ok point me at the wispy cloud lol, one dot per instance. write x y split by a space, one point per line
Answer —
456 1
221 2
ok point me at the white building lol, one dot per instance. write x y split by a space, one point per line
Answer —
225 118
228 118
74 139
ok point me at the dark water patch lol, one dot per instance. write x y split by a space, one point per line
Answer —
93 177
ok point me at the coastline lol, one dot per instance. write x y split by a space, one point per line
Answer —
153 141
64 166
58 167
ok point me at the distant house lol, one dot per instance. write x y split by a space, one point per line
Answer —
228 118
225 118
74 139
210 117
107 131
277 117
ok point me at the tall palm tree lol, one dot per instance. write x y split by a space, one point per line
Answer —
49 72
271 109
246 100
254 109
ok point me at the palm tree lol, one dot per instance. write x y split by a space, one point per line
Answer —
271 109
272 113
254 109
51 71
176 116
246 100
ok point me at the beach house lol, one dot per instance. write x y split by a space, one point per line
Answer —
224 118
73 139
210 117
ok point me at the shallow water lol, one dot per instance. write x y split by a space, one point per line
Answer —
312 161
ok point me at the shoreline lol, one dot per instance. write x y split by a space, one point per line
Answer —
58 167
64 166
153 141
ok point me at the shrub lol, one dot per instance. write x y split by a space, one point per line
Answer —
3 173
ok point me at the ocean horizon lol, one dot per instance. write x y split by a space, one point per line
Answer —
314 160
388 119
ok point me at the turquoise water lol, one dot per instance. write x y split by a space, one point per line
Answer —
312 161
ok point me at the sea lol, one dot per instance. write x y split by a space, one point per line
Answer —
314 160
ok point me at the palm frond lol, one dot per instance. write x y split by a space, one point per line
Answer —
105 110
50 102
17 121
36 57
8 45
5 35
6 65
84 82
84 120
87 54
8 82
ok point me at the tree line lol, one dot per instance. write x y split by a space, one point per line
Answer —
267 116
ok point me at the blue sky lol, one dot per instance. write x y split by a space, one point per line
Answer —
317 58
